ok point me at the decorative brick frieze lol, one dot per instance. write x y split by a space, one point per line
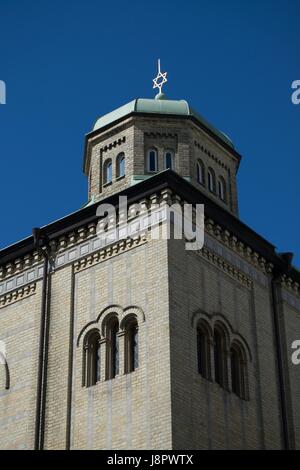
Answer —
17 295
237 246
211 155
113 144
290 285
79 244
20 279
160 135
109 252
290 298
226 267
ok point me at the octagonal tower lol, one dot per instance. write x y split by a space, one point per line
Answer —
147 136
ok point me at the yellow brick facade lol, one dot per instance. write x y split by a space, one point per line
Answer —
165 403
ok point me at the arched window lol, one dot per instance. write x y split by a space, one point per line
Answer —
169 160
152 160
112 348
211 180
238 371
107 171
91 359
120 165
90 180
220 359
3 362
200 172
131 346
203 351
222 189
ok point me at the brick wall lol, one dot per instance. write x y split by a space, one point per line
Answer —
209 416
189 143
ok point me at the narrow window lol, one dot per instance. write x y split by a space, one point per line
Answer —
220 360
90 182
120 165
135 348
200 172
113 349
131 347
107 173
169 160
203 351
92 359
211 180
3 361
222 189
152 160
98 362
238 371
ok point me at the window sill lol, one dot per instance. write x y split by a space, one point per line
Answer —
120 177
225 388
105 185
117 378
207 379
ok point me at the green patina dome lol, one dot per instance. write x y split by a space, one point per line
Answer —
159 105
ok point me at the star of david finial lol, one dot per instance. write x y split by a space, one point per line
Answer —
160 79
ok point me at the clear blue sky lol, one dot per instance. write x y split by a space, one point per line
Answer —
67 62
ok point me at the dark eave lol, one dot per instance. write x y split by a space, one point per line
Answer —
154 184
192 118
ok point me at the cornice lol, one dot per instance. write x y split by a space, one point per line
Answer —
237 246
161 194
113 144
115 249
19 294
226 267
211 155
288 283
161 134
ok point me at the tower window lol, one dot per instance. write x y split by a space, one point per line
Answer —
203 351
131 347
200 172
107 171
90 182
3 361
222 189
220 360
152 160
169 160
238 371
91 359
211 180
120 165
113 349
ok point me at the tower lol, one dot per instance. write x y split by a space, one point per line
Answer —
147 136
130 342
